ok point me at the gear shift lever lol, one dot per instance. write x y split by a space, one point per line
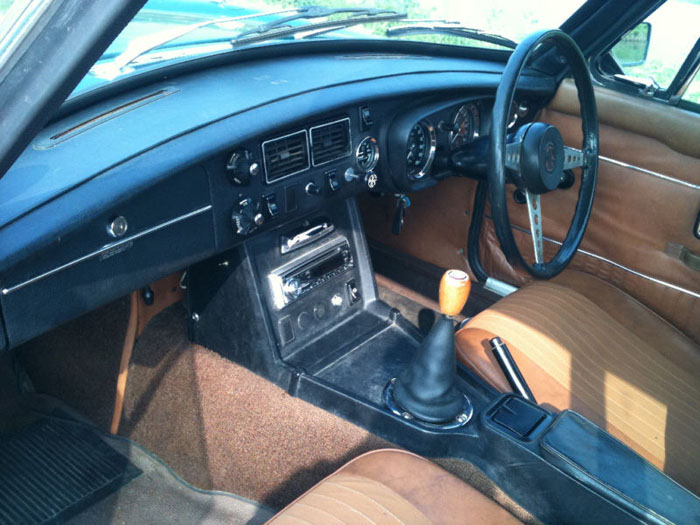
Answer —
426 390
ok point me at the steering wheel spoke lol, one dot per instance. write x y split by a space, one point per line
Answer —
513 152
534 211
573 158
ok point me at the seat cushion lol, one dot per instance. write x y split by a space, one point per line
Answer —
392 486
586 345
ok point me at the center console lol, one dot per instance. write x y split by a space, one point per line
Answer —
298 305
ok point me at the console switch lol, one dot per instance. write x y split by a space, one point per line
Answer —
273 208
333 183
353 292
365 118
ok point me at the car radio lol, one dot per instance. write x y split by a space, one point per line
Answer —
287 285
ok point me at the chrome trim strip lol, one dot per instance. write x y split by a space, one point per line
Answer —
620 266
649 172
311 142
308 155
106 248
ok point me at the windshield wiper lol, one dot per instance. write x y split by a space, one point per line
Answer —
281 28
444 27
147 43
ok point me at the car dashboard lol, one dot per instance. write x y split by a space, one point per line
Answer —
152 180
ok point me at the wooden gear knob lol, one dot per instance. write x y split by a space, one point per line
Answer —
454 291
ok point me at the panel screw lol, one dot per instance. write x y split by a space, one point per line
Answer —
195 317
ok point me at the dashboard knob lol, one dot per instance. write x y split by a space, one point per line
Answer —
241 166
312 189
247 216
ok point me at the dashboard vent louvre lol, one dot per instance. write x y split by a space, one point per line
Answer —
330 141
287 155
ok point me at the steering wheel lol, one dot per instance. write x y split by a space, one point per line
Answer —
535 158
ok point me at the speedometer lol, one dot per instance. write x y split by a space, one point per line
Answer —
420 151
465 125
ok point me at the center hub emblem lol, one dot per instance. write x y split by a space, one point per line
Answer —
549 157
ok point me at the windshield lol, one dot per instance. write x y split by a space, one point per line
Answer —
169 30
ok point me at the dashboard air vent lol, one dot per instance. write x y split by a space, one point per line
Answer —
330 141
286 155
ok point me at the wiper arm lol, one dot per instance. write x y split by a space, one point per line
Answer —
147 43
281 28
453 29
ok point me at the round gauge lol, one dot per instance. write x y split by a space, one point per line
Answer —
367 154
465 126
421 149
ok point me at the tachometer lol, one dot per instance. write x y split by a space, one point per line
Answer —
421 149
465 125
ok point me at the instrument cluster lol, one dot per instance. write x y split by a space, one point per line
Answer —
447 130
444 132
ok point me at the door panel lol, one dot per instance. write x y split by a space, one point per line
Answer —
648 195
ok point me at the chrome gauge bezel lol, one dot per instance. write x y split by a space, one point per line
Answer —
428 162
375 154
474 115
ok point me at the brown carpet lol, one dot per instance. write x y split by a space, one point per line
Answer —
215 423
79 361
221 426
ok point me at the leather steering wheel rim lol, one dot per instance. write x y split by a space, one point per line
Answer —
497 152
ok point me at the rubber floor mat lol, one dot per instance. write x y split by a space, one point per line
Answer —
52 470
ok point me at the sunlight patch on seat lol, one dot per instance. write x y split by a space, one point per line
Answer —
633 409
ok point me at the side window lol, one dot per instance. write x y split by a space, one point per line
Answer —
659 57
692 93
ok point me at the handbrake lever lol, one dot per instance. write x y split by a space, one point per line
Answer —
510 369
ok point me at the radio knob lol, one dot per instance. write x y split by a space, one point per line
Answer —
292 288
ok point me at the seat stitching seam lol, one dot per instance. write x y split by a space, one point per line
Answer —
345 504
301 503
366 496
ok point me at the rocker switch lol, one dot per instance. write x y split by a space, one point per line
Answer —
273 208
353 291
333 183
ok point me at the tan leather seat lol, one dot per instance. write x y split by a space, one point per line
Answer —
586 345
392 486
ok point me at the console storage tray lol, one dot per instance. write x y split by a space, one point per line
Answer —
602 463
